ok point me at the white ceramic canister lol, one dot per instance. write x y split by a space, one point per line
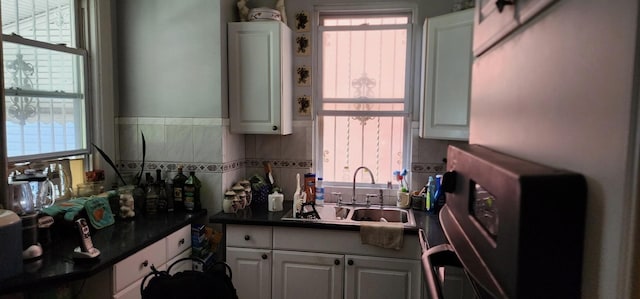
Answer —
247 189
275 201
242 195
229 204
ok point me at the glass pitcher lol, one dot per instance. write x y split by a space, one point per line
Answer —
45 196
21 197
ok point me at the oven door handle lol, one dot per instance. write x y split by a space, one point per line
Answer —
434 258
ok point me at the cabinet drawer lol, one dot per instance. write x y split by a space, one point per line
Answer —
138 265
178 241
133 290
249 236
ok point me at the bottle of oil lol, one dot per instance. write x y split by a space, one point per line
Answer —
178 185
151 202
192 193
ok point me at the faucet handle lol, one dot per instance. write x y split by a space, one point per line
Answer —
370 195
337 196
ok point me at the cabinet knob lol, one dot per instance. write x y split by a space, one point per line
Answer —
336 262
145 263
247 237
275 128
501 4
181 242
264 256
350 262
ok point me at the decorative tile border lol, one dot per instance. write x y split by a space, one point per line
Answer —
279 163
428 167
134 166
129 166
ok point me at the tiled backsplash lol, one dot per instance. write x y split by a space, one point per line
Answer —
220 158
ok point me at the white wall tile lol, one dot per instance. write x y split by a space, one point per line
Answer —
211 193
179 145
207 143
128 141
268 147
250 146
415 153
233 148
295 146
207 122
178 121
154 136
430 150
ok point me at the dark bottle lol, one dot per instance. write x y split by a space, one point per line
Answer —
178 185
192 193
160 190
140 193
158 176
168 193
163 205
151 202
148 178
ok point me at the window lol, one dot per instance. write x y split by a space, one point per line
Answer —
364 99
44 77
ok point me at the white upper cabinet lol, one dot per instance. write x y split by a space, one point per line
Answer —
446 76
260 77
494 20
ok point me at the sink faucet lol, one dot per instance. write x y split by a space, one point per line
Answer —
353 194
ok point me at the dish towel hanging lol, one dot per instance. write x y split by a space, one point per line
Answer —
382 234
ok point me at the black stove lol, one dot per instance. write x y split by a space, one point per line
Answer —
514 226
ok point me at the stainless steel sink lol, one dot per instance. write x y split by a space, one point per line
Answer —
384 215
353 215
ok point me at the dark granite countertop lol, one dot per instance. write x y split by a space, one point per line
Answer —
260 215
115 242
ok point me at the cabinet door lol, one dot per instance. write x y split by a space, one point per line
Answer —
373 277
260 75
447 76
251 270
307 275
491 24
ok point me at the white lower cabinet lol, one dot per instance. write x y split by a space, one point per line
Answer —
376 277
249 256
307 275
335 276
288 263
251 272
122 281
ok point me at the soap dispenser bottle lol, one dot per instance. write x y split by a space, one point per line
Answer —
296 195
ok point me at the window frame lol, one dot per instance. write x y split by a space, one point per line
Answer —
380 9
79 50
